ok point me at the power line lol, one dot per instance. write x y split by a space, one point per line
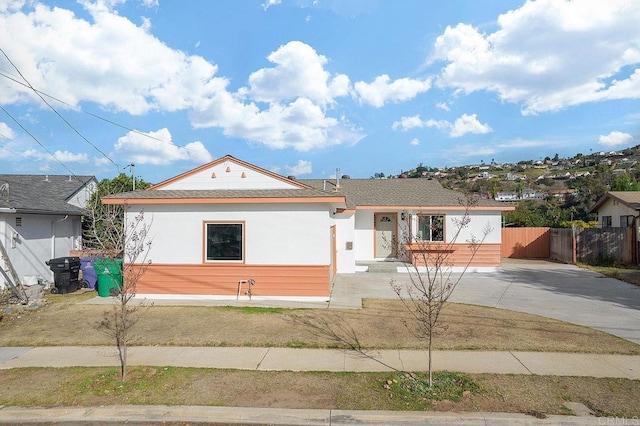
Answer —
55 111
37 141
106 120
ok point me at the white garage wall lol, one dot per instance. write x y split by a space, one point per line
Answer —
292 234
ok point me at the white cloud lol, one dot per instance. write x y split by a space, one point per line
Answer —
383 90
158 149
463 125
299 72
415 142
267 4
615 139
443 106
301 168
137 72
407 123
58 156
6 132
468 124
548 54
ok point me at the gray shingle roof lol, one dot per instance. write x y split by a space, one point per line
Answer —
42 194
397 192
223 193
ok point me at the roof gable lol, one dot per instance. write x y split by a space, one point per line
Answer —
228 173
45 194
630 199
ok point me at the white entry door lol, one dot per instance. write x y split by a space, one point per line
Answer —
385 235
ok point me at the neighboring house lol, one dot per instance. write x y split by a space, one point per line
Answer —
41 219
229 221
617 209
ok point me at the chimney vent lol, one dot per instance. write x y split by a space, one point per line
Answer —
346 177
291 177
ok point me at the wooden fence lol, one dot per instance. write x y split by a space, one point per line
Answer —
525 243
605 245
591 246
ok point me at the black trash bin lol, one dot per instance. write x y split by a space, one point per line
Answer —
65 274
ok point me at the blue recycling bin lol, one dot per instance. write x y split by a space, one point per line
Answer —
89 275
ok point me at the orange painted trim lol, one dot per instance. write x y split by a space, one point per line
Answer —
235 200
222 160
488 255
204 242
223 279
462 208
375 233
346 211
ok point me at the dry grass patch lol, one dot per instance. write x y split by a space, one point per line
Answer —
380 325
626 273
47 387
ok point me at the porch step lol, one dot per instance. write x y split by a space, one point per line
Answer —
382 267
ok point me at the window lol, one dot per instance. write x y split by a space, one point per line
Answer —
224 241
606 221
431 228
626 221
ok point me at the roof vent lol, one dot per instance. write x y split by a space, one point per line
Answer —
46 178
291 177
346 177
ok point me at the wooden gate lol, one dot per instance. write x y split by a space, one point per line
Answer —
525 243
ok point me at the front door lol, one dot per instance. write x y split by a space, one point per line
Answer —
385 235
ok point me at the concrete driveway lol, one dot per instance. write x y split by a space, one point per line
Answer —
554 290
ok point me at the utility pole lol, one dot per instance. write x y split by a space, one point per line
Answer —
133 174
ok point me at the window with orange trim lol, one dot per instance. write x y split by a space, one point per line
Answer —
430 228
224 242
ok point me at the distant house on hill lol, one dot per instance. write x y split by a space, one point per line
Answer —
41 219
618 209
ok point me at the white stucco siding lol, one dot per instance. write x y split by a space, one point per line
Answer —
345 236
364 235
231 179
615 210
80 198
274 234
31 244
480 223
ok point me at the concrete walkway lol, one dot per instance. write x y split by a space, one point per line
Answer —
554 290
289 359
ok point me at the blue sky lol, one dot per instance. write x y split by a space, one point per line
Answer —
302 87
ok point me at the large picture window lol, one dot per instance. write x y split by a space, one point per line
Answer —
430 228
224 241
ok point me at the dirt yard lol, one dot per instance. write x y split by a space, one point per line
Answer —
379 325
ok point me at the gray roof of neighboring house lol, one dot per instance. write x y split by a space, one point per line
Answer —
398 192
629 198
42 194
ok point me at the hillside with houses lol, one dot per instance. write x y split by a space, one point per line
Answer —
549 191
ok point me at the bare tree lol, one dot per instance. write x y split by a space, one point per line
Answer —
119 320
432 278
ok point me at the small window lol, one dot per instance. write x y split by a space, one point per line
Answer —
626 221
606 221
18 221
224 242
430 228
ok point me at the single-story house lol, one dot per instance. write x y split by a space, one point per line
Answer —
217 226
617 209
41 219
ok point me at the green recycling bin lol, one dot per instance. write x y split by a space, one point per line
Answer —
109 273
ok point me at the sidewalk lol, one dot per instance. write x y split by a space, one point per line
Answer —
146 414
337 360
